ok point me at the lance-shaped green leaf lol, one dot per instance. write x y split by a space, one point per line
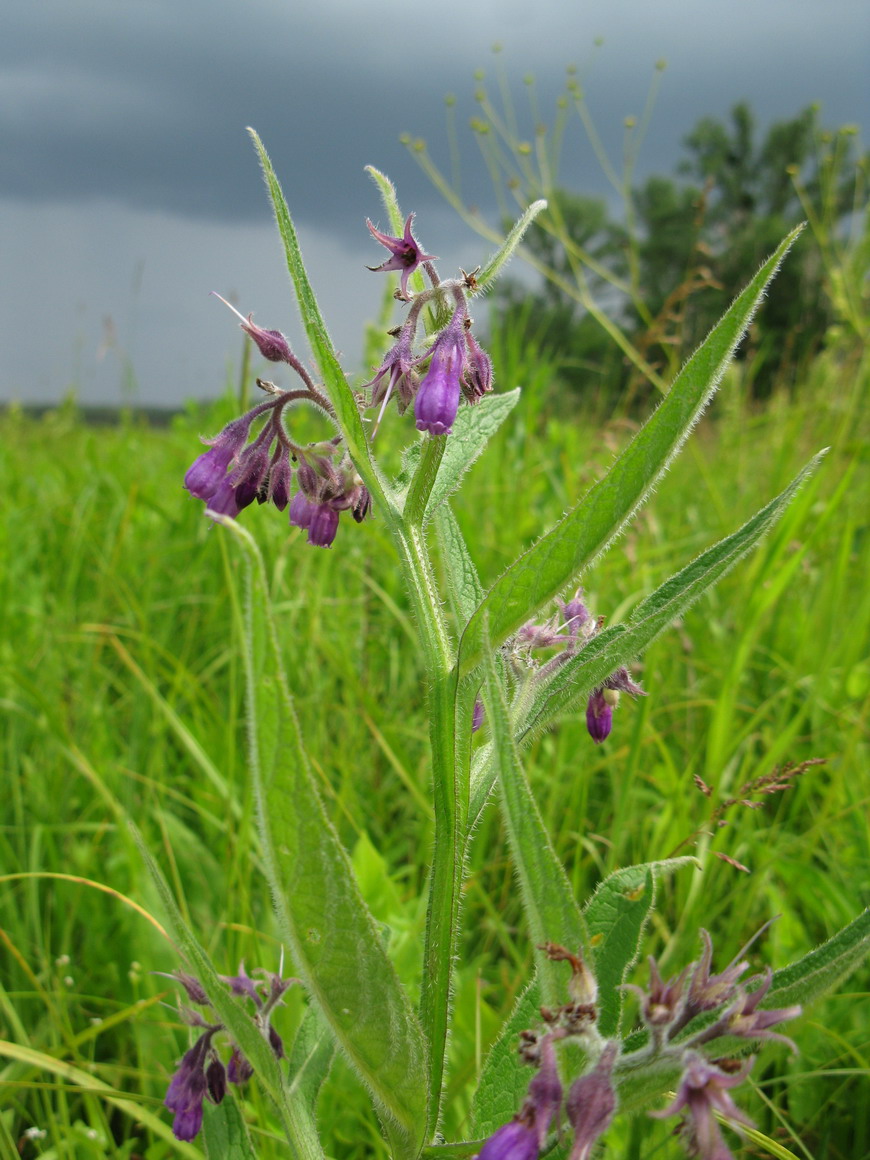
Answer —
472 430
310 1058
616 916
494 265
295 1119
335 943
388 196
821 970
224 1132
464 589
556 560
504 1078
423 480
620 644
551 910
337 387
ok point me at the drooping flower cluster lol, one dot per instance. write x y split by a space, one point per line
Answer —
201 1073
457 365
238 469
591 1101
683 1017
570 631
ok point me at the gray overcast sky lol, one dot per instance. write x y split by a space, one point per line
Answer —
128 188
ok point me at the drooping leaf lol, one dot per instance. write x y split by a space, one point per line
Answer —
557 559
336 946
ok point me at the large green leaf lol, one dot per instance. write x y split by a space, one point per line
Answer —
505 1078
821 970
556 560
622 643
224 1132
335 943
551 910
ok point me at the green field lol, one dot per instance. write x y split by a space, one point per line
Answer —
122 698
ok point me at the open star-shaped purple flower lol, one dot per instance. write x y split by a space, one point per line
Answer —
407 255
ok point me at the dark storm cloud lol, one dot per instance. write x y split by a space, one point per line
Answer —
145 103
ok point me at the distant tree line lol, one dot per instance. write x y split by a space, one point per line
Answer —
690 243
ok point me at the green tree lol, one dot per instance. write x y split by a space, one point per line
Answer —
695 238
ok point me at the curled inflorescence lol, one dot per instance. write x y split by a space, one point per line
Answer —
238 469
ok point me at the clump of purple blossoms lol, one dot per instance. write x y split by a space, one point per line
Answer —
457 365
569 632
201 1073
684 1018
238 468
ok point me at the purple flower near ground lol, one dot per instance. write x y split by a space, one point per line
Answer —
703 1091
750 1023
188 1088
591 1103
406 253
514 1141
438 397
599 715
242 984
708 991
238 1069
206 474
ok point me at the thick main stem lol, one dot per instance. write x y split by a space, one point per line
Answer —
450 793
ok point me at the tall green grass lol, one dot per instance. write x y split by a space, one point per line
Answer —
122 698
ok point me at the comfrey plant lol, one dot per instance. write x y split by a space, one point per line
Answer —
501 662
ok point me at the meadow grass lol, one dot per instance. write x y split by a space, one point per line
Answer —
122 698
